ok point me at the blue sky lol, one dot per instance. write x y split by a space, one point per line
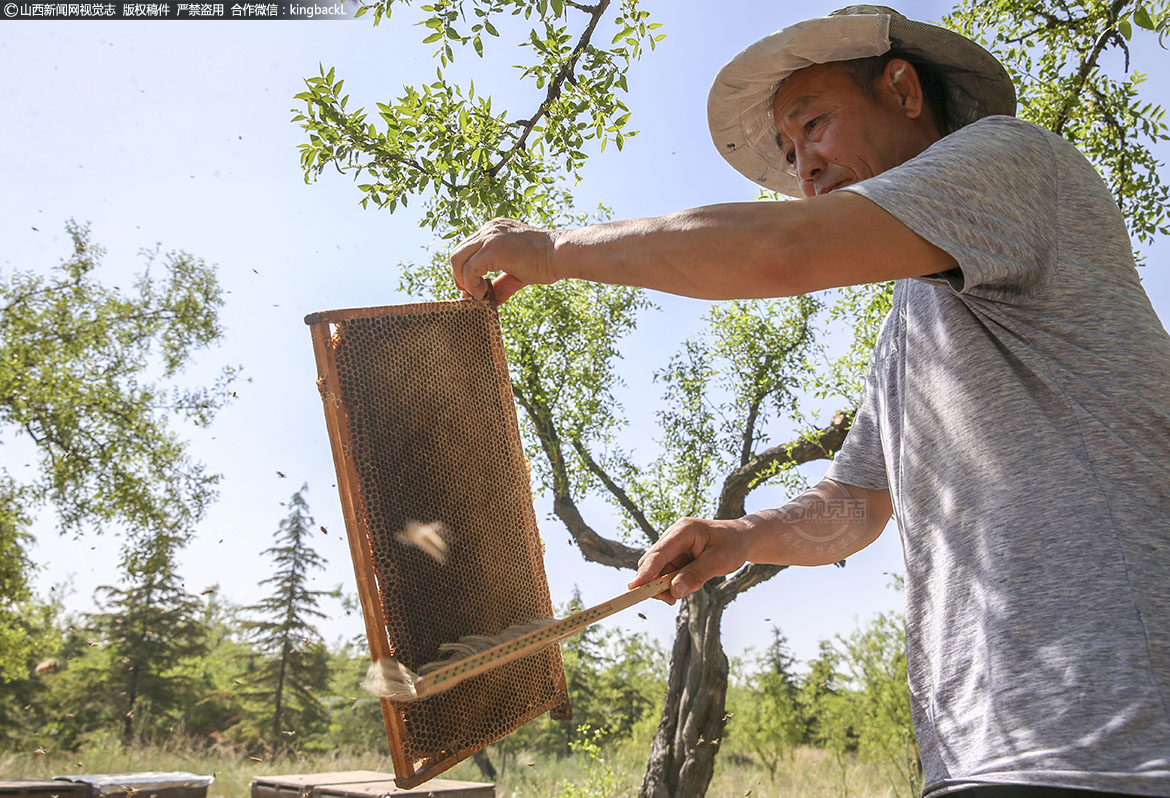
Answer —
179 134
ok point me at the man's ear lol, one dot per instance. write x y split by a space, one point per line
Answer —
900 78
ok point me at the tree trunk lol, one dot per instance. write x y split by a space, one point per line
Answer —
131 698
682 755
277 743
484 763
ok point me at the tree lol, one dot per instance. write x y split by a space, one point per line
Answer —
32 665
828 708
874 659
149 630
218 704
769 719
16 639
293 666
88 378
732 421
614 680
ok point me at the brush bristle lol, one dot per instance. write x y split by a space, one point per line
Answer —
389 678
470 645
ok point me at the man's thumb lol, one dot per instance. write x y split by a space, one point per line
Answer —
686 581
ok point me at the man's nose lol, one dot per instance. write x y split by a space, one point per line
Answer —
809 166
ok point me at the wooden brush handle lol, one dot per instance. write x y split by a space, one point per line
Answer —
461 669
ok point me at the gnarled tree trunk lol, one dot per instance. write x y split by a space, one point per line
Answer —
682 755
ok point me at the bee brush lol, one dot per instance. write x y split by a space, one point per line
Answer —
389 678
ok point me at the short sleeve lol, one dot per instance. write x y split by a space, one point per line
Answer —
861 461
986 195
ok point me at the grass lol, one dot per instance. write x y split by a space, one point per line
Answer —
808 773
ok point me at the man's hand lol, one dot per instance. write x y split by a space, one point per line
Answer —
699 550
522 252
826 524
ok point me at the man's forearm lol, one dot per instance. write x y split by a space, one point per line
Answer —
736 250
825 525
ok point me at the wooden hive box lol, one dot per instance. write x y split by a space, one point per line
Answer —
151 784
439 788
301 785
41 788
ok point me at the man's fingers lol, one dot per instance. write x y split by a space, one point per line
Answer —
459 258
521 252
504 286
653 564
474 268
689 579
674 549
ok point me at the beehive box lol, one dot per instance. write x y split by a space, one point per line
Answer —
301 785
151 784
40 788
439 788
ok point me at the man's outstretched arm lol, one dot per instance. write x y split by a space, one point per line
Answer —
824 525
732 251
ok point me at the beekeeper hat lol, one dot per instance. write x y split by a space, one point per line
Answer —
739 107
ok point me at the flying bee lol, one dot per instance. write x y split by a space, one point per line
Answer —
428 537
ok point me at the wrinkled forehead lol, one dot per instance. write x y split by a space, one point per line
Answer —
803 85
809 87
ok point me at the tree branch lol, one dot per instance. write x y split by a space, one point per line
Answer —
749 432
382 158
740 482
747 577
554 88
19 298
1088 64
623 498
1052 22
593 546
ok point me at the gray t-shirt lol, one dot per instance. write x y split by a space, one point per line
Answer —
1018 411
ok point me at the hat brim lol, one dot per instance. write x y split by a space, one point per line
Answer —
739 106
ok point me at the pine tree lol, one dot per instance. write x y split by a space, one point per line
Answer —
149 629
769 720
293 661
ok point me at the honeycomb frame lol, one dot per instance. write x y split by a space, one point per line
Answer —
422 425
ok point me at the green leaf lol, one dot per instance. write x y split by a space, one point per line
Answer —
1126 29
434 37
1142 18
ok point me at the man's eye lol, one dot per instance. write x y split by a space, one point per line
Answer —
790 157
810 124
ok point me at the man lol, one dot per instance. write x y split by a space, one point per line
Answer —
1016 418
